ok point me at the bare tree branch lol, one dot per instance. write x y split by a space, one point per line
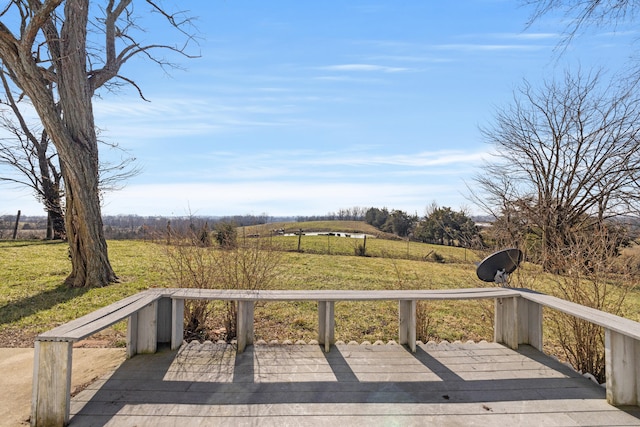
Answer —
569 156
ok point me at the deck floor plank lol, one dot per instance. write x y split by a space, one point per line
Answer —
447 384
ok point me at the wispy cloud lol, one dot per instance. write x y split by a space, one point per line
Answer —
416 160
135 121
480 47
356 163
364 68
272 197
523 36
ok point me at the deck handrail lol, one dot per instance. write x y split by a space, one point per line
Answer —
156 316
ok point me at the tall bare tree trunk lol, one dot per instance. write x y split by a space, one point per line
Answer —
87 245
79 155
70 125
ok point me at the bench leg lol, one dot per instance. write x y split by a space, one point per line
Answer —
530 323
132 335
506 322
165 321
622 368
177 323
407 333
51 383
245 324
326 324
142 331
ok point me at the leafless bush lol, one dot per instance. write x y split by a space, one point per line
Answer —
591 276
250 266
192 266
423 321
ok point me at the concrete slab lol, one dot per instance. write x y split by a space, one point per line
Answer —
16 373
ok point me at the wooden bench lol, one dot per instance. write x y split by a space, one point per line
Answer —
53 351
156 316
326 302
621 342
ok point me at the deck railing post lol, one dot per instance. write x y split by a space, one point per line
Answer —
407 321
51 398
506 322
177 323
326 324
529 323
622 368
245 324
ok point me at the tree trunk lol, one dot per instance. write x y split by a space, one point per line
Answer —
87 245
79 156
70 126
51 198
55 223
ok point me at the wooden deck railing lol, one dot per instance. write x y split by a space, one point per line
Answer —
156 317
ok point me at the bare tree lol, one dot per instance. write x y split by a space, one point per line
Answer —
582 14
28 152
568 158
48 57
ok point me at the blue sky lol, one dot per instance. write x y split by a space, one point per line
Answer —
303 108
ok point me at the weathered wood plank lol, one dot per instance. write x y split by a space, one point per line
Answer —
622 368
280 396
245 324
51 383
165 320
326 324
100 319
132 335
147 335
529 323
407 323
610 321
343 295
177 326
506 322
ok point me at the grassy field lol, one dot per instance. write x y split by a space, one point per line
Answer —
33 297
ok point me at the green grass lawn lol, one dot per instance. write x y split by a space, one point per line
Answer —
33 297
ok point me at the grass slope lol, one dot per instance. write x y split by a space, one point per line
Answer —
33 297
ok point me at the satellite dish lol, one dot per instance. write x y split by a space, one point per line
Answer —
497 266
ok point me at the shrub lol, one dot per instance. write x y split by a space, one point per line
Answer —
250 266
587 280
435 257
360 249
226 234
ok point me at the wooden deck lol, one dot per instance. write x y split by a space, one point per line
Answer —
352 385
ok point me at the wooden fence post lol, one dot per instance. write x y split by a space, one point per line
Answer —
15 227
